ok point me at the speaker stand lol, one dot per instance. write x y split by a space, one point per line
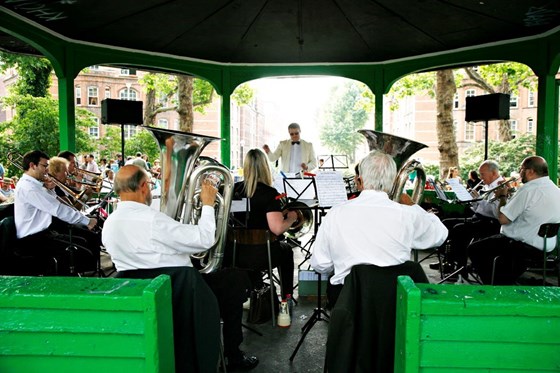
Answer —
485 139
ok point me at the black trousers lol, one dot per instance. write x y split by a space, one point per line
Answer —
509 266
463 231
55 242
254 258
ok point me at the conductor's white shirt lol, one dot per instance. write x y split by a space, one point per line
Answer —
139 237
35 206
372 229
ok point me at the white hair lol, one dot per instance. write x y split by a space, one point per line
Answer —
378 171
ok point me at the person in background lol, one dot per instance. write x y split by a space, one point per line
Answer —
297 154
120 160
453 173
372 229
535 203
91 164
148 164
6 191
474 182
140 162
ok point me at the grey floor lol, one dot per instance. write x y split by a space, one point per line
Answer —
276 344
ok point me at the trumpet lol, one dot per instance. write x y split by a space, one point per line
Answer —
487 193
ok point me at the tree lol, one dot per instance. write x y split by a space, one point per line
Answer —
508 154
34 74
441 86
500 78
183 94
345 114
144 143
35 126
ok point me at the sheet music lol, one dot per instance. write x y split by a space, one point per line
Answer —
238 205
331 189
439 192
460 191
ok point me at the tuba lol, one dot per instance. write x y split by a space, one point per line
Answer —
181 180
400 149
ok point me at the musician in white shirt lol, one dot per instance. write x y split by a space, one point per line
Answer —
373 229
38 214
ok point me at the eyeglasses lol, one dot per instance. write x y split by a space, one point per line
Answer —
151 184
44 165
521 169
294 133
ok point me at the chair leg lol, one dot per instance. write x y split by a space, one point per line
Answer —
271 279
494 269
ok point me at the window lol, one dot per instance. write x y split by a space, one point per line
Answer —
128 94
162 123
125 72
162 99
531 98
513 101
530 125
455 124
456 101
513 126
93 96
107 92
78 95
94 67
94 130
469 131
129 131
470 93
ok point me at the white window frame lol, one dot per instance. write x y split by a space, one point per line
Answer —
125 72
514 102
107 92
469 131
456 101
163 123
530 125
513 126
128 94
129 131
530 98
93 96
93 131
78 95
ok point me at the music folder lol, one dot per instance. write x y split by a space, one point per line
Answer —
461 193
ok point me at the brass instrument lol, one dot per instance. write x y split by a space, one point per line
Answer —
304 221
400 149
16 159
181 186
487 193
88 178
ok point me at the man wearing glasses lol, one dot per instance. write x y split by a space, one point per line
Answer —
297 154
537 202
39 216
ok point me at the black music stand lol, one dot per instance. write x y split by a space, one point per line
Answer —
317 315
334 162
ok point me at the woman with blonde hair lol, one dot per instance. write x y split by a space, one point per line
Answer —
263 212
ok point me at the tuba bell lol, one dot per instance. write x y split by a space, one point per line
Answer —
400 149
181 180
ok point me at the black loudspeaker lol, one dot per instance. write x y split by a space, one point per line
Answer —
487 107
121 112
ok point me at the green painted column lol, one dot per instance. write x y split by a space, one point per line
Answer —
547 123
67 114
225 119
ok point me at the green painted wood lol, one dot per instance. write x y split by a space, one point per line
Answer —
478 328
50 324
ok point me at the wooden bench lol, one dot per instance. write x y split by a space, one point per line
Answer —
451 328
61 324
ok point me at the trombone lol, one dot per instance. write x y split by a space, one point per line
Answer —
487 193
16 159
88 178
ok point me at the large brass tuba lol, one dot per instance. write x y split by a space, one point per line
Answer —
400 149
180 189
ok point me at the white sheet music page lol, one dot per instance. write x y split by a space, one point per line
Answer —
460 191
331 189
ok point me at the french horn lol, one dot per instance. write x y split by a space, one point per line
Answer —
181 180
401 150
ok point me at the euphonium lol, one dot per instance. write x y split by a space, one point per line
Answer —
400 149
180 188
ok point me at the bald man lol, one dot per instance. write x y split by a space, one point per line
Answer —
140 238
537 202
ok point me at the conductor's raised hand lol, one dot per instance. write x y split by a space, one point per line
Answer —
208 193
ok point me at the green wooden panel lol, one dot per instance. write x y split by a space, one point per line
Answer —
62 364
61 324
478 328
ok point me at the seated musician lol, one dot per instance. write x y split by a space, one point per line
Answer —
264 212
482 224
537 202
372 229
139 237
6 191
40 216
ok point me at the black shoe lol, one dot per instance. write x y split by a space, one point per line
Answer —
434 265
244 364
